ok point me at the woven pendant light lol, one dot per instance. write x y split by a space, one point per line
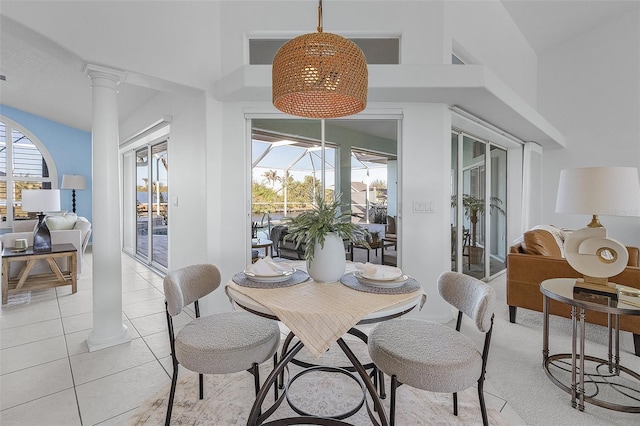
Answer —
320 75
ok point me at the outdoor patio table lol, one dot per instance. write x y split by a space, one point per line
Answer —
319 314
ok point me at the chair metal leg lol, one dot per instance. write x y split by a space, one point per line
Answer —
172 392
392 403
201 385
383 391
256 376
275 384
455 403
285 348
483 406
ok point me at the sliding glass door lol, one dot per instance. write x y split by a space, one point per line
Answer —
295 159
152 212
478 200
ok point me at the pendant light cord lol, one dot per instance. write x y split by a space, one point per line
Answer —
320 16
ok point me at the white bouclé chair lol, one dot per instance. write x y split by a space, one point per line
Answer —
432 356
221 343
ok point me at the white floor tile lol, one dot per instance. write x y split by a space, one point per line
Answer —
36 382
77 323
141 296
159 344
511 416
157 323
68 308
30 333
140 309
77 342
45 295
135 285
16 316
118 420
84 295
103 399
32 354
90 366
61 408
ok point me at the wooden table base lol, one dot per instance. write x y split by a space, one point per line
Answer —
26 282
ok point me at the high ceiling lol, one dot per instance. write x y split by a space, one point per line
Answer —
42 58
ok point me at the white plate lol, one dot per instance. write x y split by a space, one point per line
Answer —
363 274
397 282
285 275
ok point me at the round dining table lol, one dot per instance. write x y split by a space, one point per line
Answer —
320 314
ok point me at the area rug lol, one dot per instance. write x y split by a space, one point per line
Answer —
18 299
228 399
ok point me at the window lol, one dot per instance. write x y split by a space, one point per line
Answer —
24 164
455 60
376 50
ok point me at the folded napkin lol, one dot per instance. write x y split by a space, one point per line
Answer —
378 272
266 267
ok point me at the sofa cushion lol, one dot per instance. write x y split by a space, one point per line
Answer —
541 242
558 234
61 222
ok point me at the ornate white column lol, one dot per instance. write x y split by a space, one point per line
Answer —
108 329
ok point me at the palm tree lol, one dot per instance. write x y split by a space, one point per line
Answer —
285 181
271 176
474 205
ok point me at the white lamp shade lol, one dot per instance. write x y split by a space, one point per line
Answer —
609 191
73 182
40 200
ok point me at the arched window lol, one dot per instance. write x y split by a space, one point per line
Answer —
24 164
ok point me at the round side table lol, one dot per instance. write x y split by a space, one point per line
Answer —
601 382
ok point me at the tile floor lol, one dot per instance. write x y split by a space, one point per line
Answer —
48 377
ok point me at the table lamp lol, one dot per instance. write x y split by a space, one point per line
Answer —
41 201
73 182
610 191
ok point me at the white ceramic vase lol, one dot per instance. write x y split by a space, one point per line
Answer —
329 262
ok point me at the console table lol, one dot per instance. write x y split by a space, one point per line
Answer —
26 282
597 381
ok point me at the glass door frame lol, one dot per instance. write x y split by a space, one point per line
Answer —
459 237
151 136
387 115
151 226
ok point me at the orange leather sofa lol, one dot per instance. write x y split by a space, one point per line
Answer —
530 264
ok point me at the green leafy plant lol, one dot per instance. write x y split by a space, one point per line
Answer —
312 226
473 206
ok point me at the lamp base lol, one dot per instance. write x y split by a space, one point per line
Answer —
595 222
41 235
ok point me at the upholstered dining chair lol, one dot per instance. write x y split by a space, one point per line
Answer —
432 356
221 343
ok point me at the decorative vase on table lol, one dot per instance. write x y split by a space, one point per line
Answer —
329 262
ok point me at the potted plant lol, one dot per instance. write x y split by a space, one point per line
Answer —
473 206
322 230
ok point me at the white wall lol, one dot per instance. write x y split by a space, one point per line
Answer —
590 90
187 171
419 24
425 159
210 140
485 34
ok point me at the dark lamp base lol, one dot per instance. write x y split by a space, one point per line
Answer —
41 235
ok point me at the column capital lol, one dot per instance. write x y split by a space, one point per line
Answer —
99 71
